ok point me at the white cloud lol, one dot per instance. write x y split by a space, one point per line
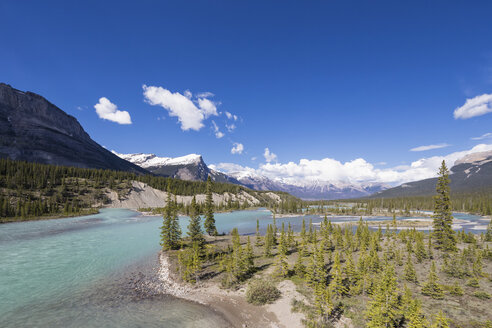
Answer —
205 94
253 158
230 127
477 106
217 132
269 157
237 149
208 108
357 171
190 113
106 110
231 116
483 136
430 147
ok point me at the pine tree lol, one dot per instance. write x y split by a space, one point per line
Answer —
488 234
444 237
209 210
194 227
249 256
282 265
416 318
431 287
170 230
384 307
440 321
268 244
258 236
409 272
420 252
336 283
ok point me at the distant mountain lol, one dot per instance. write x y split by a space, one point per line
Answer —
190 167
32 129
310 190
470 173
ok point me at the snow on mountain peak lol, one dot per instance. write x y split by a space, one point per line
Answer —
151 160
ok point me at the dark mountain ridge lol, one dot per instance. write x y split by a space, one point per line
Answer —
34 130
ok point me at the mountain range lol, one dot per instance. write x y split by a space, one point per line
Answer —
192 167
468 174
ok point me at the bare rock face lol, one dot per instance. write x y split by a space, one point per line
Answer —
34 130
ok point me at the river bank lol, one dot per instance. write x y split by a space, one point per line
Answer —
232 304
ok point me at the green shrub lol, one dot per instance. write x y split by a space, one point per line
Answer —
260 292
482 295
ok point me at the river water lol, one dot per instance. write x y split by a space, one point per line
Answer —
86 271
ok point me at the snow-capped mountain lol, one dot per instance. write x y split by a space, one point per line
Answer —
192 167
189 167
307 189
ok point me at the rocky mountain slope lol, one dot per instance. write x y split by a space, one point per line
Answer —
468 174
142 195
32 129
190 167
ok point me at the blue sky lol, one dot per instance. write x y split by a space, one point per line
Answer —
313 80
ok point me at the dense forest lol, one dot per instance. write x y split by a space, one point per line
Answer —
33 190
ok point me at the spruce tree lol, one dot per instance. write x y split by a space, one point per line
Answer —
170 230
431 287
384 307
209 210
194 227
258 236
415 317
336 283
444 237
440 321
282 265
409 272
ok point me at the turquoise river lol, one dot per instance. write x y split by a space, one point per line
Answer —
82 271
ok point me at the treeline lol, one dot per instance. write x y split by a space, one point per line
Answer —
29 190
479 202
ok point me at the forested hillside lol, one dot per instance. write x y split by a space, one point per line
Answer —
33 190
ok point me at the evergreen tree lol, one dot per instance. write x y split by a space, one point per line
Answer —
336 283
444 237
431 287
209 210
194 227
488 234
170 230
268 244
282 265
416 318
409 272
258 236
440 321
384 306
